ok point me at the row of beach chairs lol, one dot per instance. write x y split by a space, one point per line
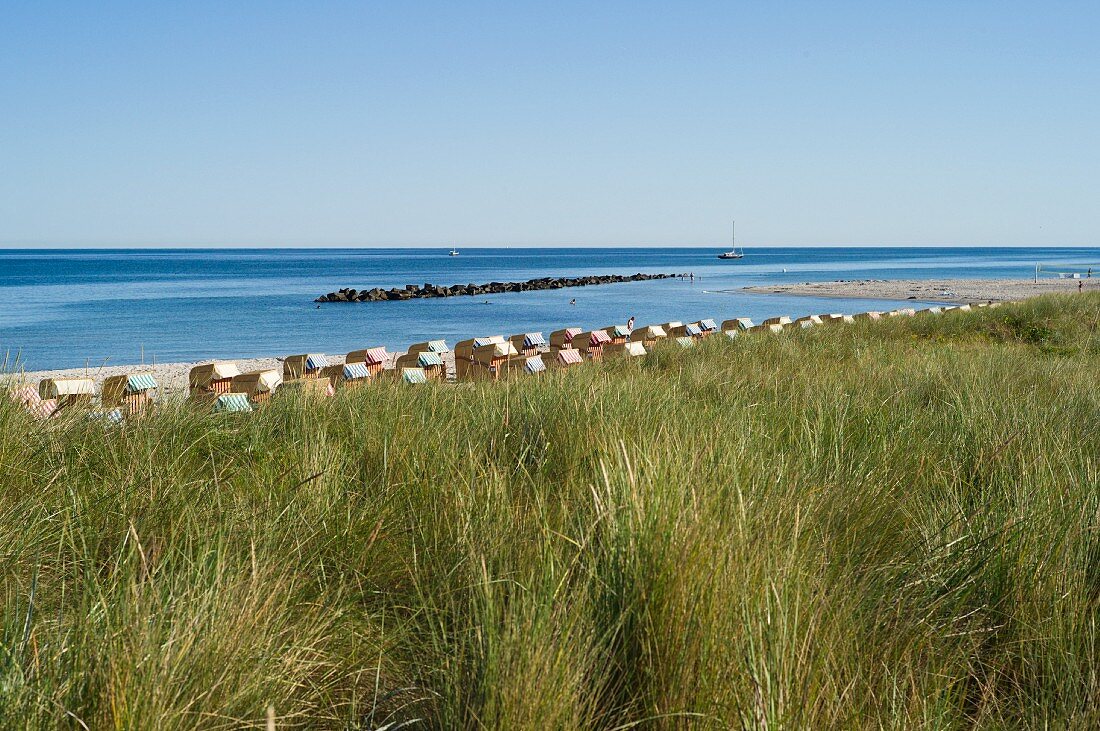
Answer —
224 388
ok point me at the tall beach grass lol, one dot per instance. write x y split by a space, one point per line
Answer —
881 525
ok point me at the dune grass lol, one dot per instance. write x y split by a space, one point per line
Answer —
882 525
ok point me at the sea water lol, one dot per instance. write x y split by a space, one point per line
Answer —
74 308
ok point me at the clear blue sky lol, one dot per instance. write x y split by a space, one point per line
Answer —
391 123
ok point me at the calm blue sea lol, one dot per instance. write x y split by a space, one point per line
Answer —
71 308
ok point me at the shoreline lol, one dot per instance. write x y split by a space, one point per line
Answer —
173 377
955 291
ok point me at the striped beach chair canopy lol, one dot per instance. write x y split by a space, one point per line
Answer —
231 402
737 323
619 331
414 375
692 328
685 342
427 358
708 325
569 356
430 346
370 356
533 340
598 337
138 382
534 364
316 361
355 371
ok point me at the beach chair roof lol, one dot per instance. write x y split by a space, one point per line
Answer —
370 356
628 349
649 332
685 341
57 387
202 375
429 358
430 346
692 328
316 361
534 364
495 350
228 402
737 323
265 381
138 382
115 387
708 325
567 333
569 356
673 325
414 375
618 331
528 340
781 320
355 371
592 338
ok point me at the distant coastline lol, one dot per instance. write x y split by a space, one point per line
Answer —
930 290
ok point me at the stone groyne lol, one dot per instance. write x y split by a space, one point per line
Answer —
412 291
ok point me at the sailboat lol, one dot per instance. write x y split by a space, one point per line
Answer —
733 253
453 252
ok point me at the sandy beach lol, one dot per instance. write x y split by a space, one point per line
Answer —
172 377
931 290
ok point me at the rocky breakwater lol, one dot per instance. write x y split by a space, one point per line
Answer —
412 291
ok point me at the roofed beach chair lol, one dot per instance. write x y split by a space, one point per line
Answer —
527 343
349 375
808 321
132 392
617 333
708 326
565 358
28 397
412 376
782 321
685 341
464 354
737 324
307 365
491 360
627 350
564 338
211 379
231 403
312 387
69 393
591 343
648 335
375 359
430 361
257 385
530 365
869 315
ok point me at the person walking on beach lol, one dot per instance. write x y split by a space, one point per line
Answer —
630 324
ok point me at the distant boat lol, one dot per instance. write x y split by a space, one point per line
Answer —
733 253
454 252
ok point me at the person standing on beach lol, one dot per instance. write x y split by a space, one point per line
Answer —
1080 286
